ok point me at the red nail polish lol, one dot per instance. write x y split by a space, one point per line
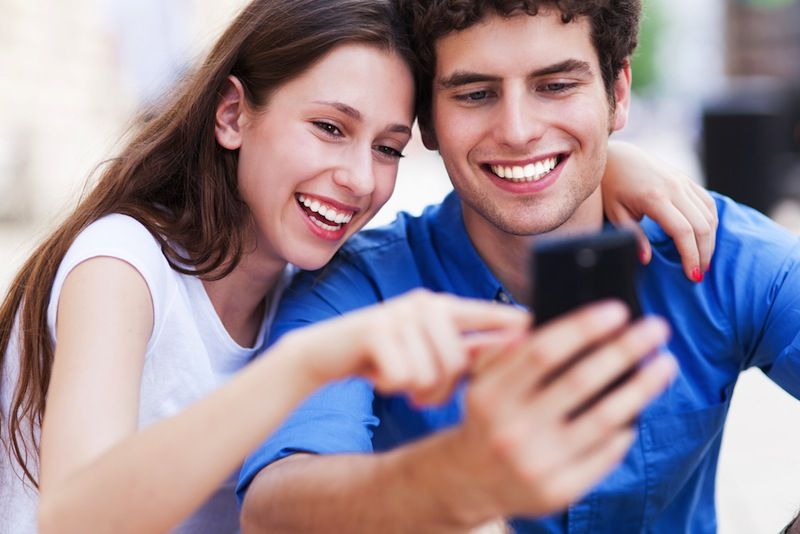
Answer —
697 276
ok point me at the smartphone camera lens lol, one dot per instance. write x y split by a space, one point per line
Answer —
586 258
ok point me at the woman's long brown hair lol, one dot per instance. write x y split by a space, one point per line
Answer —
176 180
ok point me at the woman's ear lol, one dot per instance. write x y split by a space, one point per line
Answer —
229 114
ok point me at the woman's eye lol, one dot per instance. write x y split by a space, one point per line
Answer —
328 128
389 151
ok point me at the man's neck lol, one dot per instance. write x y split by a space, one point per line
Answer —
507 255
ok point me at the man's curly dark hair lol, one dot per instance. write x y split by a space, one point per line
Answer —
614 28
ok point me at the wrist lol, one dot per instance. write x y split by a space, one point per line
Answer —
456 497
293 353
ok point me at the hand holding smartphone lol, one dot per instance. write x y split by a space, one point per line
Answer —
567 273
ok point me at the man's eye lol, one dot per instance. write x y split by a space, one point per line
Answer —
558 87
474 96
328 128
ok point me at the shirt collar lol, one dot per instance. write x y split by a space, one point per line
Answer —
468 273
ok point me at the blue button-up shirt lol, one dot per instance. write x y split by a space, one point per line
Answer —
745 313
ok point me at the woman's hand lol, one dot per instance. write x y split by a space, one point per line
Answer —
636 184
418 343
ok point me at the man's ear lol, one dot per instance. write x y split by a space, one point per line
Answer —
428 135
229 114
622 97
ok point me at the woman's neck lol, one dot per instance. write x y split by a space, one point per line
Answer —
240 297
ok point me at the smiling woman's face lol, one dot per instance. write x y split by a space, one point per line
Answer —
321 159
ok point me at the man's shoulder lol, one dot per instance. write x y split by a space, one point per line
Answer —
392 235
741 230
403 236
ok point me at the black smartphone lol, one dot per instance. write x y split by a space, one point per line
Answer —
572 271
569 272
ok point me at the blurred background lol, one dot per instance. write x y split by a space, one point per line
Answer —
717 86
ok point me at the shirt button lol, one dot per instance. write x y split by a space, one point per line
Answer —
503 297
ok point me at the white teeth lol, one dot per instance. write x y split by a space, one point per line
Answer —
329 212
530 169
531 172
324 226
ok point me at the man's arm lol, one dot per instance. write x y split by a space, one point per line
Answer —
529 445
400 490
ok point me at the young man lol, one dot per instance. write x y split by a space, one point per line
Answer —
520 99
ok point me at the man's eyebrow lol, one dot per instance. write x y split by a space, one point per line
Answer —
350 111
572 66
460 78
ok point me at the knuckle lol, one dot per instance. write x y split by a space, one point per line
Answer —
684 231
703 229
504 443
543 358
579 380
605 418
656 196
533 473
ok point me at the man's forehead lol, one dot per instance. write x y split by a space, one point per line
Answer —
499 43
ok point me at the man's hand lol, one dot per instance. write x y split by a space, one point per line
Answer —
531 442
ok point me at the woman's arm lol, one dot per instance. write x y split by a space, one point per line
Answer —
98 469
636 184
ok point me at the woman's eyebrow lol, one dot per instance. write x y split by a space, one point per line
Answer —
350 111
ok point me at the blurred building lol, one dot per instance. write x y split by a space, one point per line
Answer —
763 38
751 132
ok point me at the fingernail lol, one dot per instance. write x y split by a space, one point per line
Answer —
697 276
671 364
642 256
657 327
612 310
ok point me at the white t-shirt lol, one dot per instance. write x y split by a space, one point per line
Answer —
189 354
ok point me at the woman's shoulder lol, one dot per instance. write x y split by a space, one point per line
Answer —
117 231
127 239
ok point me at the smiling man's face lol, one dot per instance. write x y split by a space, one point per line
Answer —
521 118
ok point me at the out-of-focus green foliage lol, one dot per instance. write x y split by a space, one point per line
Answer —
645 70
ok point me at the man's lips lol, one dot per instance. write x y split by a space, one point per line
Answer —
517 179
524 170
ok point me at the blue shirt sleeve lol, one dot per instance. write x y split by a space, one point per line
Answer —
338 418
764 282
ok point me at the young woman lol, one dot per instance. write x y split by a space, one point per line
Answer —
122 333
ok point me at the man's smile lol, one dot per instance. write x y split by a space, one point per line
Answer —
530 171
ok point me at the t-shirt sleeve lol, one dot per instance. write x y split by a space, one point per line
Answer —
338 418
124 238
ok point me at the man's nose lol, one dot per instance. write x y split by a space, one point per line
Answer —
518 121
